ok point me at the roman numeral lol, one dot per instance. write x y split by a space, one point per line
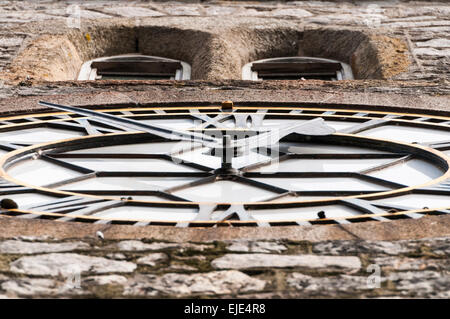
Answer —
365 207
241 213
374 208
209 121
256 120
386 165
204 214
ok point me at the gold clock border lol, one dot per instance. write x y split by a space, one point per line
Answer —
442 156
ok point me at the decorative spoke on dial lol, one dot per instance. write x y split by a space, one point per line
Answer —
266 186
264 163
375 168
7 188
9 146
188 163
71 180
67 204
198 182
92 209
68 165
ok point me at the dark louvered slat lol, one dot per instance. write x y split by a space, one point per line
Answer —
149 68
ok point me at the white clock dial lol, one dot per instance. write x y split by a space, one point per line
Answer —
282 166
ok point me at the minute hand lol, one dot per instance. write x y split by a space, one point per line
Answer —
134 125
314 127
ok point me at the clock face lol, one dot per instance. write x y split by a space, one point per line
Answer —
376 166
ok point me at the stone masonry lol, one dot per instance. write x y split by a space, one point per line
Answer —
403 62
45 267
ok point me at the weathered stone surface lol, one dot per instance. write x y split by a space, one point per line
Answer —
193 258
183 10
434 43
136 245
422 283
179 267
356 247
436 246
68 264
434 22
416 24
370 56
45 238
117 256
243 261
432 51
22 247
152 259
26 16
106 280
221 10
292 12
256 246
83 14
34 287
194 247
141 285
10 41
212 283
409 264
438 10
328 286
133 12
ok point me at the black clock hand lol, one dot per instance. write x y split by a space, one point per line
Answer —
314 127
136 125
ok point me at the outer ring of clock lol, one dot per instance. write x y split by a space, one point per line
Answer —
432 154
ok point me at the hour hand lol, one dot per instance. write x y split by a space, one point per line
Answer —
316 127
135 125
230 149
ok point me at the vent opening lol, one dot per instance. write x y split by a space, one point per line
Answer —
213 54
297 68
134 67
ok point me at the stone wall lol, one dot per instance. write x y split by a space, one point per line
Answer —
406 47
45 267
417 32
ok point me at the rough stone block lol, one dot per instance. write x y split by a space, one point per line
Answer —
152 259
212 283
68 264
244 261
22 247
